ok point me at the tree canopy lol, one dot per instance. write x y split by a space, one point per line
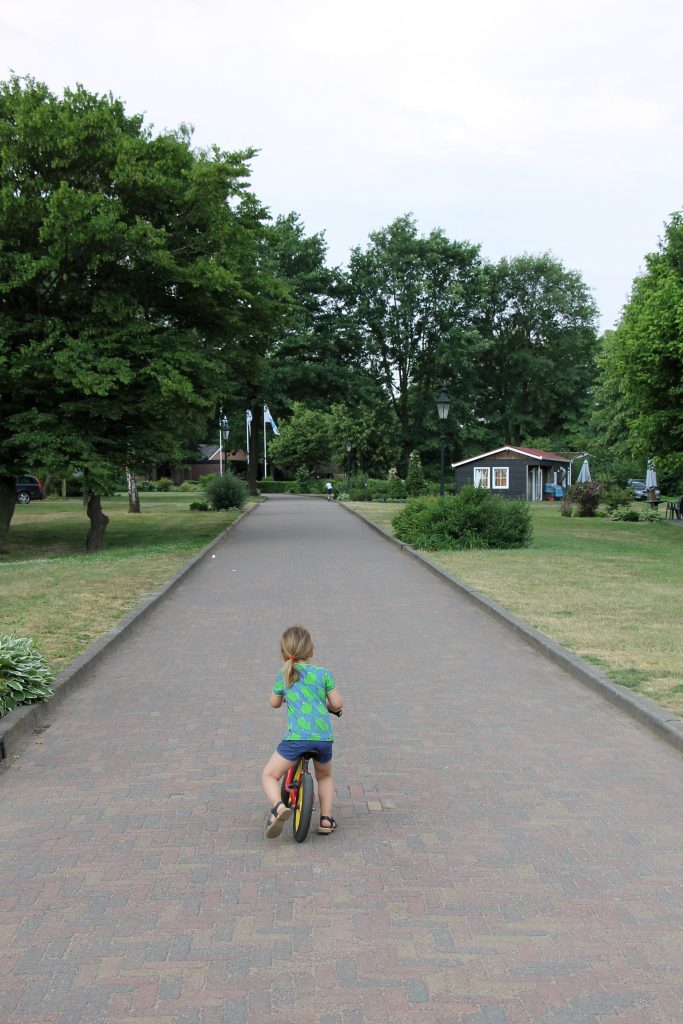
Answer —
416 304
133 291
539 360
642 360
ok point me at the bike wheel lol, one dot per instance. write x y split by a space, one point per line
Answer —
304 808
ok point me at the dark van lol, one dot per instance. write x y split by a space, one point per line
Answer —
28 488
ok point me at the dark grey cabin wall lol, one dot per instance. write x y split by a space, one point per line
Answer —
518 473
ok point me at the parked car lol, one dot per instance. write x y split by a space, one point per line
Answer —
28 488
640 490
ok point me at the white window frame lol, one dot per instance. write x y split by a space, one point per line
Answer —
481 476
500 487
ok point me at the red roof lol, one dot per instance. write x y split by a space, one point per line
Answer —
542 454
535 453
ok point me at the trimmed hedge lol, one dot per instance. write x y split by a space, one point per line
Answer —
269 486
473 518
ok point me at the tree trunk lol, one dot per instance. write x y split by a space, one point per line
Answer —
98 523
133 495
8 500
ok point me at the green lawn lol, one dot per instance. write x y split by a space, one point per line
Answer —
64 598
610 592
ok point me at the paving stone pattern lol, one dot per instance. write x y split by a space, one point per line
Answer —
509 848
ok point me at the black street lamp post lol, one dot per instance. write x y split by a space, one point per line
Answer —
223 434
348 459
443 407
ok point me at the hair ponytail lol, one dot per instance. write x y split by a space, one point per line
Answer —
295 645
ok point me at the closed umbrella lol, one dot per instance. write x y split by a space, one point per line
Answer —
585 474
651 483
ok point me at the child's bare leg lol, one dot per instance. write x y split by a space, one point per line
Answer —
270 779
323 775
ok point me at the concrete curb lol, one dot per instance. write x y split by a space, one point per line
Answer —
667 726
19 725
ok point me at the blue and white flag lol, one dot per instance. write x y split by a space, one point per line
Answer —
267 418
249 419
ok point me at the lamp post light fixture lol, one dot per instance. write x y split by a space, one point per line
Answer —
223 434
443 407
348 459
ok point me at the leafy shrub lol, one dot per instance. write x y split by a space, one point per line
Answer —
357 487
586 497
415 479
396 487
227 491
473 518
293 488
305 480
378 490
199 506
650 515
144 486
614 496
24 674
567 506
187 485
624 514
164 483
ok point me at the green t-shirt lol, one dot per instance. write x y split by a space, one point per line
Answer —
307 714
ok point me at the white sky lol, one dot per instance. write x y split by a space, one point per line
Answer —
523 125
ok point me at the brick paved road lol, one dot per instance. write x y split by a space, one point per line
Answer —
509 848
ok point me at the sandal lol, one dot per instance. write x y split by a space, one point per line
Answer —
277 819
325 830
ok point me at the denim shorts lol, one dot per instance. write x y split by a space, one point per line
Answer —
319 750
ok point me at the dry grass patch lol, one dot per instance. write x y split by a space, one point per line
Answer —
66 599
610 592
67 604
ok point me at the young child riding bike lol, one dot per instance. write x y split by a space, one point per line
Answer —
310 694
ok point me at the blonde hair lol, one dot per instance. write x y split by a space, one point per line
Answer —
295 645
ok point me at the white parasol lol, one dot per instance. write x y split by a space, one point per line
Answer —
585 474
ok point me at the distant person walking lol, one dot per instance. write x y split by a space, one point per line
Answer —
330 490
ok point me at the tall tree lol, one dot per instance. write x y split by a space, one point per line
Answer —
315 359
642 359
416 304
539 364
373 433
304 440
131 287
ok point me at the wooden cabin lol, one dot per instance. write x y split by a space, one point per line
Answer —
516 472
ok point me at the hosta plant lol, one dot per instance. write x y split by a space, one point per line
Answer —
25 676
